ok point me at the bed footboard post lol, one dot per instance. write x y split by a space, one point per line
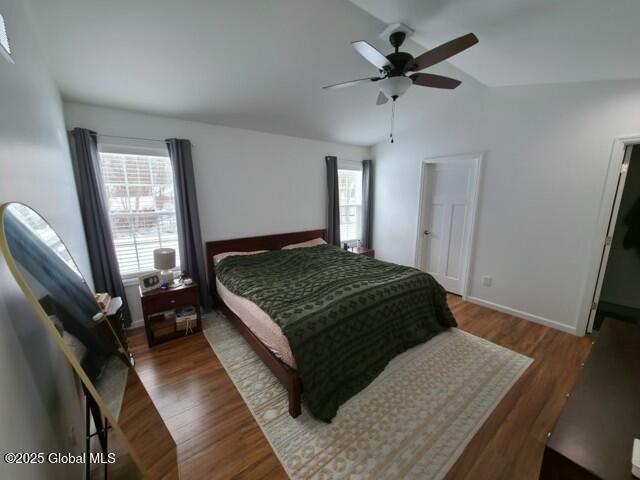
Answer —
295 396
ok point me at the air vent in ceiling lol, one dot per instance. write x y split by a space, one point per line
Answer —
5 48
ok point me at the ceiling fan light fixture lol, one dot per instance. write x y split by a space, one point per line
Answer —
394 87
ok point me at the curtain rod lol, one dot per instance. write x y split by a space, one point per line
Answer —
134 138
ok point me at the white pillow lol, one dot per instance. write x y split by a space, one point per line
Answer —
308 243
220 256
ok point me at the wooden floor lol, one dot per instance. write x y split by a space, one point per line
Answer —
217 436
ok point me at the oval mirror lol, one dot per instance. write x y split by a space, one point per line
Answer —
123 420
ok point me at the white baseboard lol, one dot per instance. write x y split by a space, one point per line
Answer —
485 303
139 322
525 315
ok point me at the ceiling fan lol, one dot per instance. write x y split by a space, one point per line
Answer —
394 67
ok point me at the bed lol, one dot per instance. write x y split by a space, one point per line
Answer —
321 318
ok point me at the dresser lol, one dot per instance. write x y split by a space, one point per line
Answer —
593 438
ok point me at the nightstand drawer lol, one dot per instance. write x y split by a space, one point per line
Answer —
170 300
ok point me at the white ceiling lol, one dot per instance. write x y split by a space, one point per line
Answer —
525 42
255 64
260 64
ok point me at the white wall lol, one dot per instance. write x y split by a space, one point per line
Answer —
39 400
621 283
547 151
248 183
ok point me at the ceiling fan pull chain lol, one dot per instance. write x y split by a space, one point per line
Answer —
393 114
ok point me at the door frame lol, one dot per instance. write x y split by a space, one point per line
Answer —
476 161
608 198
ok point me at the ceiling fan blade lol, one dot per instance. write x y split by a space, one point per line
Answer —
382 99
372 55
434 81
352 82
444 51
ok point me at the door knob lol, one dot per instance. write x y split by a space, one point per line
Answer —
427 232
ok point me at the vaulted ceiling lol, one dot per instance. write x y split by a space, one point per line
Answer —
260 64
524 42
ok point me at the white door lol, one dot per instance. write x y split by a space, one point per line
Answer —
607 244
444 234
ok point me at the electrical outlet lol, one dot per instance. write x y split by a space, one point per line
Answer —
486 281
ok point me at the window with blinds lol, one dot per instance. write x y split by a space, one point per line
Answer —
5 46
350 191
142 208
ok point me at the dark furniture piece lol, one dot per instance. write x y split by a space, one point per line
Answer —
367 252
101 426
287 376
161 300
612 310
593 438
115 317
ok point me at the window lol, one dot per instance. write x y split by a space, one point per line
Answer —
350 191
142 208
5 47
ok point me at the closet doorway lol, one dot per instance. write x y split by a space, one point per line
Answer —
617 292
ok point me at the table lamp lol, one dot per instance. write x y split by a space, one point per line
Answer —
164 259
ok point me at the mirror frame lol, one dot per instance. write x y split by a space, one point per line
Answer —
57 338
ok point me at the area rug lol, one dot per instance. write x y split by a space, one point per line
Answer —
412 422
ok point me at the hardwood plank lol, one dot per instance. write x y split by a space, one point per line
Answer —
214 430
511 442
218 438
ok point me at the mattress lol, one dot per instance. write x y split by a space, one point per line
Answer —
345 316
260 324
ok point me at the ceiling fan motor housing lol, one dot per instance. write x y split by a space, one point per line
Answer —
397 39
400 60
396 83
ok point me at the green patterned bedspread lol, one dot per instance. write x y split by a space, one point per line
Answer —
345 315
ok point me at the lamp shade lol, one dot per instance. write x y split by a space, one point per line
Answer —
393 87
164 258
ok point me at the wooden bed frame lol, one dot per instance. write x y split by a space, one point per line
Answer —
284 373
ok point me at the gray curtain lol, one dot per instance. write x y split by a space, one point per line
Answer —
333 202
367 203
190 237
95 217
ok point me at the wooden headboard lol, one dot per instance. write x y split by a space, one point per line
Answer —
248 244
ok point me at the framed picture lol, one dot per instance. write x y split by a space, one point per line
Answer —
150 281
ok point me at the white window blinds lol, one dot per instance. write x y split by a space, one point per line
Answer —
142 209
5 47
350 191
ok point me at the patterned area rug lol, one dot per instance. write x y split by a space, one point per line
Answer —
412 422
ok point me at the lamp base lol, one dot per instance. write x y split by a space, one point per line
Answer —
166 277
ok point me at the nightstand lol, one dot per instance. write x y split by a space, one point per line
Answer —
159 308
368 252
